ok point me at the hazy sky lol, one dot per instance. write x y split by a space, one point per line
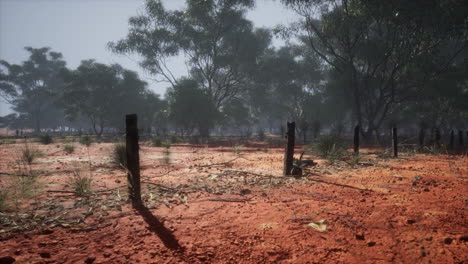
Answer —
80 29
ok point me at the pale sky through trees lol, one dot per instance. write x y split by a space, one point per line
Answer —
80 29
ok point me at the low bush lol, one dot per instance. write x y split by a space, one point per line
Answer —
69 148
45 139
331 146
86 140
81 183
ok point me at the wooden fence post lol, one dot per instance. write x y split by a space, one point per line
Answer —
460 139
395 141
422 135
437 137
133 159
452 140
289 151
356 140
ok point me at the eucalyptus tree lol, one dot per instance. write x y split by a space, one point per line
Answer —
31 87
190 108
218 43
378 46
102 93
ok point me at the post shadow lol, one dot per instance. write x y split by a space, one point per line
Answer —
158 228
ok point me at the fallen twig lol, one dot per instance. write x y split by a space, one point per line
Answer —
341 185
229 199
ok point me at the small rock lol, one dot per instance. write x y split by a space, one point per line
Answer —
7 260
17 252
410 221
371 244
90 260
360 236
106 255
464 238
448 240
44 255
428 238
426 189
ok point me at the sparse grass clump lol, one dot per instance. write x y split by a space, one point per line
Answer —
331 147
238 149
81 183
28 155
119 155
86 140
157 142
69 148
45 139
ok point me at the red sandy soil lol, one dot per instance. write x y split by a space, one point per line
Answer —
216 205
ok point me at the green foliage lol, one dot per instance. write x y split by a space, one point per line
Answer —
69 148
32 86
81 183
119 155
45 139
331 146
86 140
183 99
96 91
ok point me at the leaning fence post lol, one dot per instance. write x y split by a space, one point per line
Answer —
289 151
356 140
133 159
395 141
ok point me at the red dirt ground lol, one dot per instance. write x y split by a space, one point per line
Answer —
231 205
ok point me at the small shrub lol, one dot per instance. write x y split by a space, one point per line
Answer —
173 139
69 148
238 149
331 146
157 142
86 140
45 139
355 159
81 184
28 155
119 155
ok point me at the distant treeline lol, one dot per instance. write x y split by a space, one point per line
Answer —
352 62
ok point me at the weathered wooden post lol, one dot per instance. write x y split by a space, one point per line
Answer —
452 140
460 139
133 159
356 140
437 137
395 141
289 151
422 135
